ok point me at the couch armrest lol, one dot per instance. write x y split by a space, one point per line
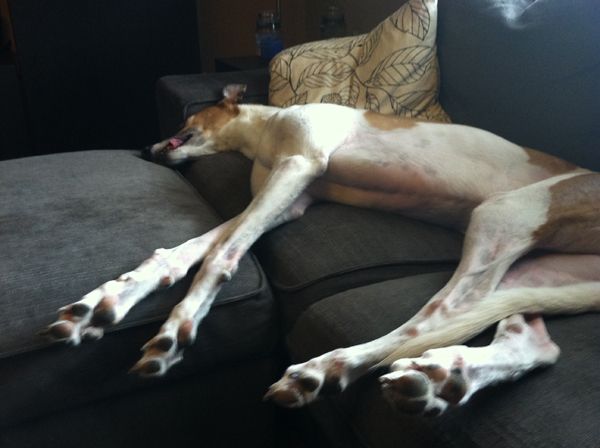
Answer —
179 96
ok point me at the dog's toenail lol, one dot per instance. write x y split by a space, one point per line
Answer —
62 330
309 384
103 317
184 335
151 367
454 389
166 281
79 309
163 344
283 397
331 385
411 385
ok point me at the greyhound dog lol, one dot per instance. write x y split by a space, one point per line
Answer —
507 200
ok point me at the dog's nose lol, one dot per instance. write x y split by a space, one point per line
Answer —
147 153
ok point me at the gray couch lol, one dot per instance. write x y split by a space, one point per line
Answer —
338 276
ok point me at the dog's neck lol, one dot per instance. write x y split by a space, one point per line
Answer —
245 132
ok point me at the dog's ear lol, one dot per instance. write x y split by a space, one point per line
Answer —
233 93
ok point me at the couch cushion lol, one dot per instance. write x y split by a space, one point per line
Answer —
555 407
526 70
70 222
334 247
393 69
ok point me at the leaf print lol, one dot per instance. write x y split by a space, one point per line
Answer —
296 99
368 43
280 74
412 103
334 98
348 96
402 67
325 49
324 74
413 19
372 102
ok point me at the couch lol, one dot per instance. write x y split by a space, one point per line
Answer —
527 70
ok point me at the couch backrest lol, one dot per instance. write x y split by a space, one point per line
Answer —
527 70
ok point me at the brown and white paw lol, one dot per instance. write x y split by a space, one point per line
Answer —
421 387
301 384
165 349
109 303
448 376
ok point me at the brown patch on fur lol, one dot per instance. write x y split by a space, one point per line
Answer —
185 332
514 328
213 118
573 216
553 165
412 331
388 122
431 307
61 330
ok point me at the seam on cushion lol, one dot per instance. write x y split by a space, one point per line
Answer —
289 288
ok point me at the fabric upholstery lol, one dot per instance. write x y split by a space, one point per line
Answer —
526 70
194 411
554 407
223 180
70 222
392 69
336 247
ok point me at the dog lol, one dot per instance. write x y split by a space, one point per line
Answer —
508 200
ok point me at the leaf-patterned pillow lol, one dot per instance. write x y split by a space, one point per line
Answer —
392 69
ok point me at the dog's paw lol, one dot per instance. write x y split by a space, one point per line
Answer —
303 383
109 303
165 349
74 323
421 388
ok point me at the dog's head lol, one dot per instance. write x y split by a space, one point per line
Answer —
200 134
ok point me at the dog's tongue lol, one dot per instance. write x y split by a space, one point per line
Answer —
175 142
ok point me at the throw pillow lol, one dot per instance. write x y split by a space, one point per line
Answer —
392 69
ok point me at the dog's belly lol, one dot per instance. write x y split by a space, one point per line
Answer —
446 210
436 173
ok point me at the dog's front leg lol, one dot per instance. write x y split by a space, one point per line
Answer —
280 199
109 303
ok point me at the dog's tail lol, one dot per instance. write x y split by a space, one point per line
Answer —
568 299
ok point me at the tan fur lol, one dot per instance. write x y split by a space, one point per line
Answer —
573 221
212 119
388 122
553 165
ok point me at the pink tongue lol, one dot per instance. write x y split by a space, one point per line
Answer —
175 142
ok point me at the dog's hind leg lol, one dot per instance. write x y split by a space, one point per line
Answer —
451 375
109 303
280 200
501 230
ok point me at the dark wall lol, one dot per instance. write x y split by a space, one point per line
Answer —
89 67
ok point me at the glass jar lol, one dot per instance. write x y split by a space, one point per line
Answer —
333 23
268 35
